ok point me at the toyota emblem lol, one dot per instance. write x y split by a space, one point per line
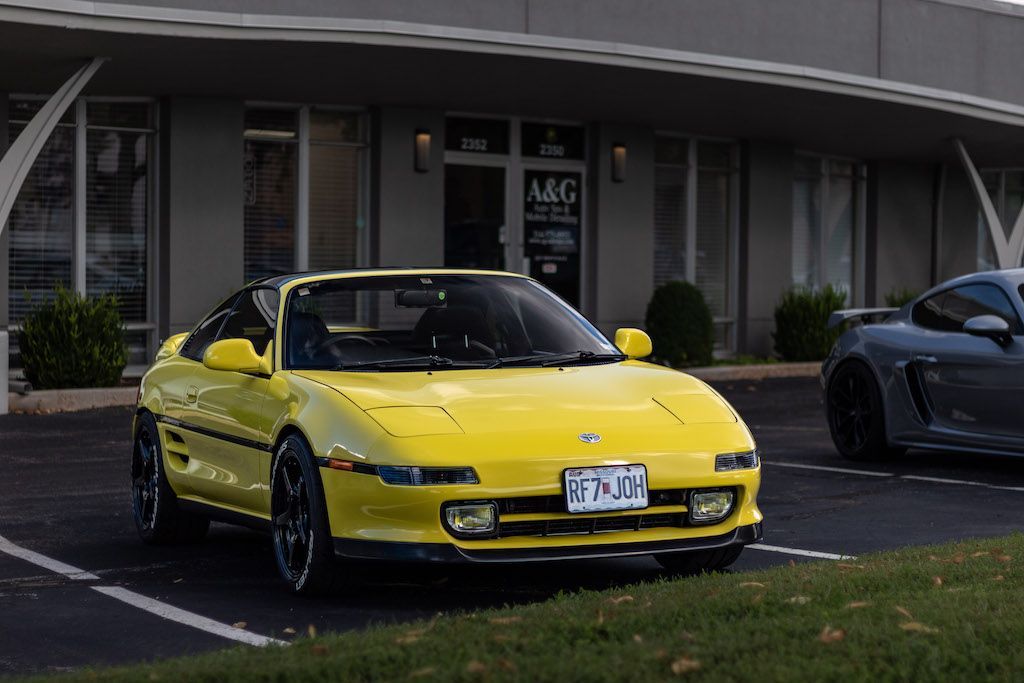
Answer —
590 437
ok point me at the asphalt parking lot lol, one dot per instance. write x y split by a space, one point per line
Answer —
64 495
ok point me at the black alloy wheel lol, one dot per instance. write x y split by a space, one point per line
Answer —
158 518
856 417
303 546
291 515
145 480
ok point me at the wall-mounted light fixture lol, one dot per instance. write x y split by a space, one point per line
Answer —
421 151
618 162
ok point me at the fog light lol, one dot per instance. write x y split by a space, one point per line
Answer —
707 507
478 518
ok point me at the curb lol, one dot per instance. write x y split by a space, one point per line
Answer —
67 400
727 373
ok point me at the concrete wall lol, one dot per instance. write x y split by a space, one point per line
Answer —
622 248
903 228
4 239
201 227
767 228
407 207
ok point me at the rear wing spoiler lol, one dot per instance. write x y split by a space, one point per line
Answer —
865 315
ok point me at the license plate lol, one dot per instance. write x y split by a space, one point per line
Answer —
599 489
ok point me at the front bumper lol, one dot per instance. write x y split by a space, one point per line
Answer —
449 553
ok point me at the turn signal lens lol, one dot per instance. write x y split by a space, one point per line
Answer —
472 519
707 507
727 462
426 476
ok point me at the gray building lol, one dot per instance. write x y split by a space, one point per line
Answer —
605 146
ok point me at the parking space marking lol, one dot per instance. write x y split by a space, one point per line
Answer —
842 470
171 613
961 482
160 609
912 477
798 551
45 562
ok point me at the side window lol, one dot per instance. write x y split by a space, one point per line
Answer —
964 303
253 318
928 313
196 344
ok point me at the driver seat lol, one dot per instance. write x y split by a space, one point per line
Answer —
306 332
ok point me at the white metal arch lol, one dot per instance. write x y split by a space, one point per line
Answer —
1009 252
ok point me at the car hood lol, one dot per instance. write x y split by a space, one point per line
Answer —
629 394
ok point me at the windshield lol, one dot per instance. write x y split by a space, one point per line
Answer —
408 322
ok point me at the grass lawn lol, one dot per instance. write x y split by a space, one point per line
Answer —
950 612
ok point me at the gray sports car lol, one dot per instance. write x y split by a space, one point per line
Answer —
946 371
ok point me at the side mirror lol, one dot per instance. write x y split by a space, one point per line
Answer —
633 342
233 355
991 326
170 345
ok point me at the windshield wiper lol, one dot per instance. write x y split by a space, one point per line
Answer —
400 363
547 360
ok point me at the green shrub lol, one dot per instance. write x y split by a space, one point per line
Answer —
801 323
899 296
73 341
679 322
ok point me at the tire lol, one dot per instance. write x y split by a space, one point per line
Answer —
700 561
856 415
303 547
158 519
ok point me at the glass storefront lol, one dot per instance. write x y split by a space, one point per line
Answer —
825 195
102 149
304 190
514 199
695 223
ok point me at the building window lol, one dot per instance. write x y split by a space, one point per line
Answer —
1006 190
695 223
304 190
825 220
94 241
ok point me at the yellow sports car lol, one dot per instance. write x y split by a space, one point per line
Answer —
435 415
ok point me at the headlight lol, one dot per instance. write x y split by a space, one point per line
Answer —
427 476
472 518
710 506
727 462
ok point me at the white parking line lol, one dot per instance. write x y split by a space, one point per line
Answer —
162 609
126 596
803 553
912 477
45 562
866 473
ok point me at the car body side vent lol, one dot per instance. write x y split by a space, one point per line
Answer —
915 386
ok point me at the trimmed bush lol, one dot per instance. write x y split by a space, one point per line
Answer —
801 323
73 341
679 323
900 296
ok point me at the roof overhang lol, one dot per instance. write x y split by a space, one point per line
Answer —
164 51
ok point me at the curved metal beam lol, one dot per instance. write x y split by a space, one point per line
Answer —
1009 252
18 160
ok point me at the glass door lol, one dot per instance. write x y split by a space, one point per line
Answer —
552 229
475 233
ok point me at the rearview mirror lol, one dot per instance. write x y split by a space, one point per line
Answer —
991 326
633 342
232 355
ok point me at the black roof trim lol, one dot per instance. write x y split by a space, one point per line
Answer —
281 280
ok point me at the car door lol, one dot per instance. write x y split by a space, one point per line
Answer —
973 384
223 409
174 377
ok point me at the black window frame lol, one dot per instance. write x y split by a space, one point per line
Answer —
234 307
1016 328
216 309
